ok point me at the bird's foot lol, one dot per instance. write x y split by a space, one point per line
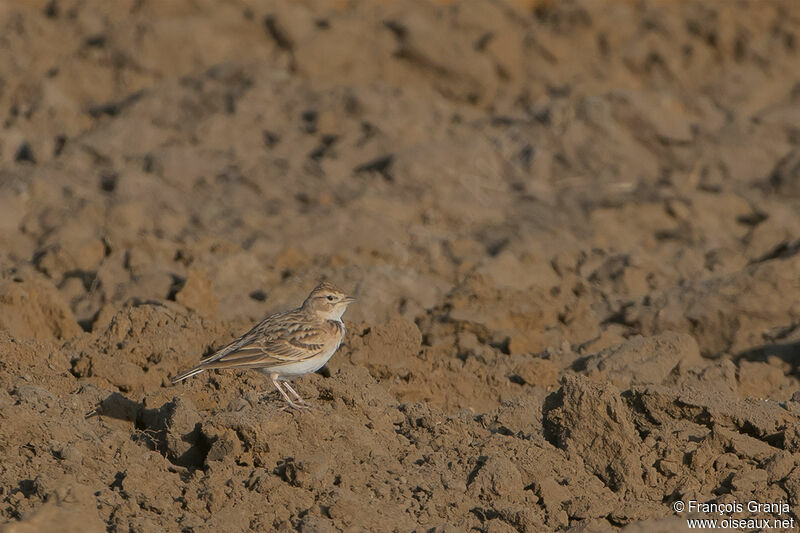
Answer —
290 405
295 407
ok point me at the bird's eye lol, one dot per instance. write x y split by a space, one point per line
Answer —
330 298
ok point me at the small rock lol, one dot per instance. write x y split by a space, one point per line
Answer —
198 295
177 429
224 445
779 466
56 517
536 371
34 308
645 360
749 482
589 420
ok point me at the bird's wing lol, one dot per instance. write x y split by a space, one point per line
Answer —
278 340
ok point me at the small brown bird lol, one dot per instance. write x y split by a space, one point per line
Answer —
287 345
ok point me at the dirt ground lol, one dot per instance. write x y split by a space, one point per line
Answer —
572 228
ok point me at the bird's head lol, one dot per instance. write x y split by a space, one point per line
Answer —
327 302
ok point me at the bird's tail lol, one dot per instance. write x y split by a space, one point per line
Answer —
187 374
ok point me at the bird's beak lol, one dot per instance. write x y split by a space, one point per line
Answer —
348 299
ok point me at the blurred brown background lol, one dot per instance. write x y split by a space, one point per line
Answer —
572 228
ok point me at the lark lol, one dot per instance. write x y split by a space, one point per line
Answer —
287 345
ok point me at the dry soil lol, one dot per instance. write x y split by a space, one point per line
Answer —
572 228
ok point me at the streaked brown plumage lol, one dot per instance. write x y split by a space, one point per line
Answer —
287 345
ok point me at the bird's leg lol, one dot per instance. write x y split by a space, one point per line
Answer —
294 392
289 401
